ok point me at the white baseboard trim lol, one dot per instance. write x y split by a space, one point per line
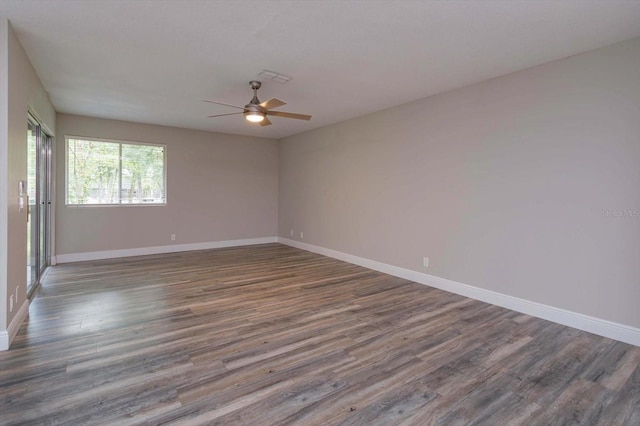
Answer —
6 336
612 330
111 254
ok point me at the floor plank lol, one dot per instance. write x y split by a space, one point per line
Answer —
273 335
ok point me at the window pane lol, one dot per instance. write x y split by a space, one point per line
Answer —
142 174
92 172
102 172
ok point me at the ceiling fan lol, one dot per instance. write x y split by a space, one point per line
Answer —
257 112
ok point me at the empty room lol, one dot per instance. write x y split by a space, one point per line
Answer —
320 212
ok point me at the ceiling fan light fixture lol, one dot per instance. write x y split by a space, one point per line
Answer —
254 116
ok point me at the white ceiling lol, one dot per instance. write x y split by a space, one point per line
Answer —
152 61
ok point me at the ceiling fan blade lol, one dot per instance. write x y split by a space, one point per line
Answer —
272 103
265 122
289 115
222 115
220 103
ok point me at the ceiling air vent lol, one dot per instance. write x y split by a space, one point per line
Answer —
275 76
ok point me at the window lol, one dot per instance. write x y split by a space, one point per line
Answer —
112 172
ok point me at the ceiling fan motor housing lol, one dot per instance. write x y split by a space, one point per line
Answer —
254 108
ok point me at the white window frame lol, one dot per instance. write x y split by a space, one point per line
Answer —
119 142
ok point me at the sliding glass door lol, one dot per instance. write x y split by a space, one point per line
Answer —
38 188
32 228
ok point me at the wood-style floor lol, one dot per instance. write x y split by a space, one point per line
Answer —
270 334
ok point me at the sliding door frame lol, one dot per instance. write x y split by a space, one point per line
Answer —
40 217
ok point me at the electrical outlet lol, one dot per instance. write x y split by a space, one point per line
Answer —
173 237
425 262
301 235
292 232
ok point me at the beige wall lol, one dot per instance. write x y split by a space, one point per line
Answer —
22 92
504 185
219 187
